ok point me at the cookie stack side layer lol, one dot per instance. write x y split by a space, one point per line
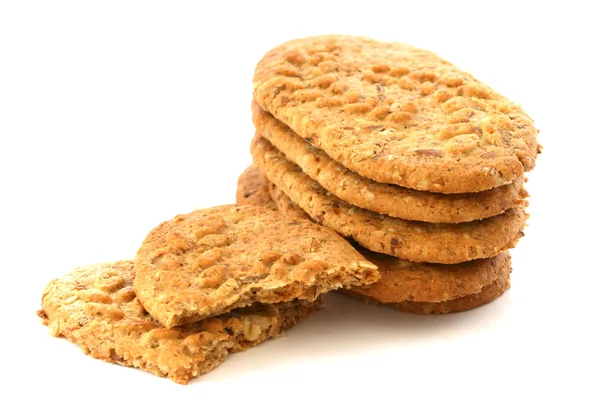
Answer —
396 114
392 200
96 308
412 287
410 240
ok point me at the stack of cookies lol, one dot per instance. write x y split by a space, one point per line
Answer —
202 285
417 163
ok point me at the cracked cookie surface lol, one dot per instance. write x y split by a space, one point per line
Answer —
409 240
210 261
393 200
96 308
396 114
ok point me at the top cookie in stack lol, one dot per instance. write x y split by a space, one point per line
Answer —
396 114
394 147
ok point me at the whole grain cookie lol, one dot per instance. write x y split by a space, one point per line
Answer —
396 114
403 280
393 200
96 308
487 294
210 261
251 191
409 240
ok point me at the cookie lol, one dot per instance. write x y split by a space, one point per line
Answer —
406 281
403 280
210 261
96 308
396 114
487 294
251 191
409 240
500 267
393 200
284 204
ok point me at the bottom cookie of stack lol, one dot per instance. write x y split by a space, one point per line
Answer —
420 288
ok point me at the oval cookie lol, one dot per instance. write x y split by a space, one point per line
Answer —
396 114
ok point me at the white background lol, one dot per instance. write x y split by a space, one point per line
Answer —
117 115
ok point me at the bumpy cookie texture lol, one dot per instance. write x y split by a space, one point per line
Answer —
487 294
396 114
96 308
210 261
251 191
403 280
500 271
393 200
409 240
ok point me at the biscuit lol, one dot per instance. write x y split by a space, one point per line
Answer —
393 200
409 240
500 266
396 114
403 280
210 261
96 308
284 204
487 294
251 191
408 282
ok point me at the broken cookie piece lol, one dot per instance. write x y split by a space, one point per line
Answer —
210 261
96 308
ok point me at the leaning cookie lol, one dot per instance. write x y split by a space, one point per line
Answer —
210 261
251 192
409 240
96 308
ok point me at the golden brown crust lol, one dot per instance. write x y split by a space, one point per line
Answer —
487 294
409 240
396 114
96 308
210 261
283 204
393 200
403 280
419 288
251 192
